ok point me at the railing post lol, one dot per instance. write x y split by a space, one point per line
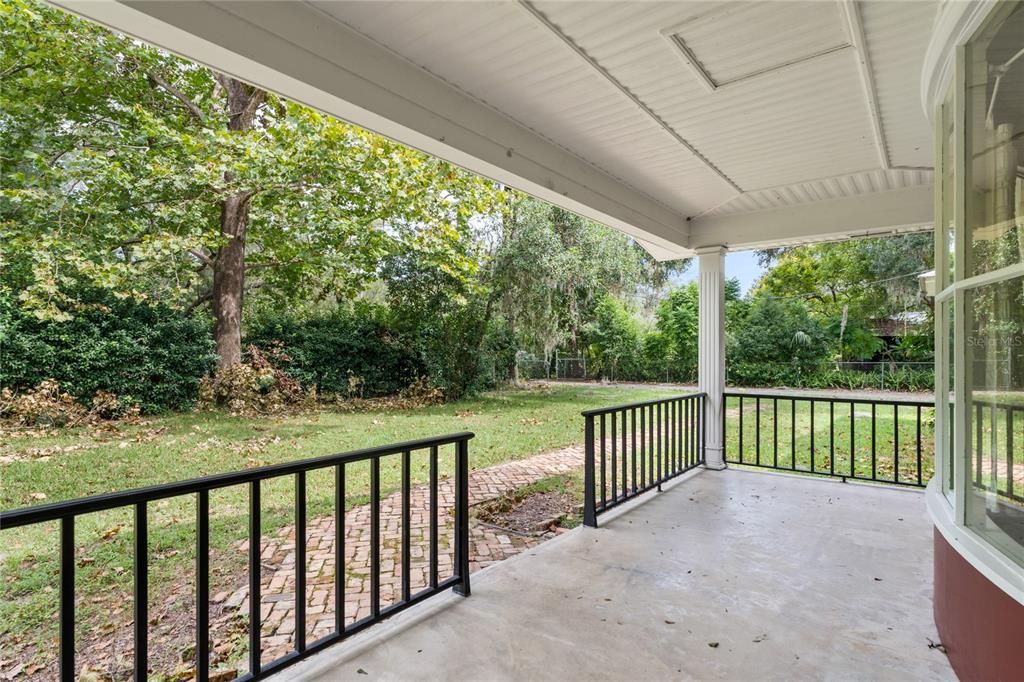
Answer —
462 516
589 494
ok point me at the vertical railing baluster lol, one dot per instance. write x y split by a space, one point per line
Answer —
1009 451
589 494
643 448
775 432
812 435
704 428
687 433
339 548
433 515
757 430
300 561
406 520
874 473
919 445
661 469
255 551
896 442
141 605
633 449
604 494
203 586
831 438
993 456
375 536
853 429
615 461
462 516
625 463
792 433
650 449
67 599
979 419
676 409
739 455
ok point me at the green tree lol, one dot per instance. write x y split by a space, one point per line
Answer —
553 267
615 339
776 342
131 169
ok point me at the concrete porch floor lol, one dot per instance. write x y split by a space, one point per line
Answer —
793 578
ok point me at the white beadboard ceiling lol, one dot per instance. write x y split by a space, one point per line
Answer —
664 119
789 121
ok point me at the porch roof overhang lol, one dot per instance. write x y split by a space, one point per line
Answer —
683 124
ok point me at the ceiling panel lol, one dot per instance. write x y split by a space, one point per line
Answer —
737 40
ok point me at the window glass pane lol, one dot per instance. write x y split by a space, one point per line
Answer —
995 411
995 144
947 336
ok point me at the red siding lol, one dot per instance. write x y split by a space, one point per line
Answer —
981 626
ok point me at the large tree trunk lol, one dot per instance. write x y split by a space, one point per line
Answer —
243 101
229 281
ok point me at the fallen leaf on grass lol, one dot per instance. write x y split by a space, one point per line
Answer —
37 496
110 533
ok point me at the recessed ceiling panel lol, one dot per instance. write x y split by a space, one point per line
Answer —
738 41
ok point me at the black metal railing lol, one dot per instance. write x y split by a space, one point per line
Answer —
630 449
138 499
994 424
870 439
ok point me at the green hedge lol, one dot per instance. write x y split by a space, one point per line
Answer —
324 350
148 355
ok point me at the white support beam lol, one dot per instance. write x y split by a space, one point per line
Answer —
877 213
711 350
855 26
294 49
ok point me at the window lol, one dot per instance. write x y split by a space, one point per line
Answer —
991 279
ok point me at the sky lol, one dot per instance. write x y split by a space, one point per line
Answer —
740 264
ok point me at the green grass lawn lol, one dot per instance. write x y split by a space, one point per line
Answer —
65 464
786 437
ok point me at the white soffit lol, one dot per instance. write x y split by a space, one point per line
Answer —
893 211
828 188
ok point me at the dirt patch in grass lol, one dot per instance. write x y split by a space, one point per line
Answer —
538 508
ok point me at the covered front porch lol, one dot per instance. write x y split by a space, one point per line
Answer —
723 575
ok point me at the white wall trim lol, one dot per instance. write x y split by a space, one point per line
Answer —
954 24
999 569
899 210
854 24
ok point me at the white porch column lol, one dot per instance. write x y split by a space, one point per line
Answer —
711 349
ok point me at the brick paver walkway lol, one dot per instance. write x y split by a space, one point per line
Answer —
487 546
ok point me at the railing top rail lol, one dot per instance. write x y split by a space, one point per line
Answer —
865 399
643 403
84 505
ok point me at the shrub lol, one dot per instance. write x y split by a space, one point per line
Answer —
147 355
348 351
